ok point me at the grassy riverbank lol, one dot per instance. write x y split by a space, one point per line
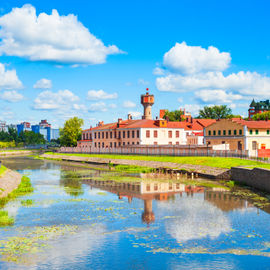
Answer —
2 170
217 162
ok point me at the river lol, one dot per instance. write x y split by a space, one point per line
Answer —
77 219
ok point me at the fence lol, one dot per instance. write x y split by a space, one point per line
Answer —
160 151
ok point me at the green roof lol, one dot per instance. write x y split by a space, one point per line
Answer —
261 105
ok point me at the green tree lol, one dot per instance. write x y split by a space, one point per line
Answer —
215 112
174 116
71 132
31 138
261 116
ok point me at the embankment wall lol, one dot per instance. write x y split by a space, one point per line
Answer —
257 177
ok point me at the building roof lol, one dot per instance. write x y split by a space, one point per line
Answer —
253 124
195 124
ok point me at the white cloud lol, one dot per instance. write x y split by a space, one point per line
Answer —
193 59
43 84
129 104
245 83
98 107
48 100
180 100
143 82
11 96
100 94
192 108
50 37
216 96
158 71
79 107
136 114
9 79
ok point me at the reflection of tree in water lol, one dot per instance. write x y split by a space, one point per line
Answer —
71 181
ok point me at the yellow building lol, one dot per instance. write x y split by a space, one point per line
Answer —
239 134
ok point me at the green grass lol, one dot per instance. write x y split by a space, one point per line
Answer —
2 170
24 188
218 162
5 220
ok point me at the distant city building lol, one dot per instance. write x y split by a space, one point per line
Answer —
44 124
258 107
2 125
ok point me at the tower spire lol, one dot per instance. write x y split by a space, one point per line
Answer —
147 101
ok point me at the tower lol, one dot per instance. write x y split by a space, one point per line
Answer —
147 101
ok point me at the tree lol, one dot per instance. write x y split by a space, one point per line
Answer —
261 116
174 116
31 138
71 132
215 112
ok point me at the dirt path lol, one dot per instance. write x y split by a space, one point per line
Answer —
15 153
203 170
9 181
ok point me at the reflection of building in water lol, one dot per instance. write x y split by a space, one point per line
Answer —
146 191
225 201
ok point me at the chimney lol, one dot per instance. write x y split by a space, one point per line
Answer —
119 120
129 116
191 119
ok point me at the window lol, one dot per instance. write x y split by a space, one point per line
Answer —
138 134
99 145
124 134
95 135
235 132
170 143
177 134
170 134
107 135
177 143
155 133
254 145
128 143
119 134
111 144
133 143
224 132
123 143
99 135
147 133
268 132
83 136
95 145
155 187
214 132
90 136
103 145
229 132
133 133
240 131
155 143
119 144
114 144
250 131
148 187
219 132
257 131
209 132
128 134
138 143
102 135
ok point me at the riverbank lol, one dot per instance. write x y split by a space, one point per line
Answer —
7 153
9 181
200 170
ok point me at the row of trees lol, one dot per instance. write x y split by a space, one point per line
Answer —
11 138
208 112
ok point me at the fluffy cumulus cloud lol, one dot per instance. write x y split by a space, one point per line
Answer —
9 78
50 37
11 96
48 100
199 70
101 107
129 104
100 94
43 84
216 96
194 59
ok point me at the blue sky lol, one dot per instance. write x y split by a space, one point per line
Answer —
96 65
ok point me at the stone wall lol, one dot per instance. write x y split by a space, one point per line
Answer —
257 178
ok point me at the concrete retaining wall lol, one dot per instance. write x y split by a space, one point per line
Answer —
257 178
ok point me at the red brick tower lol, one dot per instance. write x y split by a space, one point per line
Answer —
147 101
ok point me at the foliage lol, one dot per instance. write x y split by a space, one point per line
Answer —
71 133
5 220
175 116
215 112
261 116
2 169
11 138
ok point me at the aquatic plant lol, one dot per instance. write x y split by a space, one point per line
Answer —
5 220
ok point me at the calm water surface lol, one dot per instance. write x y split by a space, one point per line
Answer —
73 221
